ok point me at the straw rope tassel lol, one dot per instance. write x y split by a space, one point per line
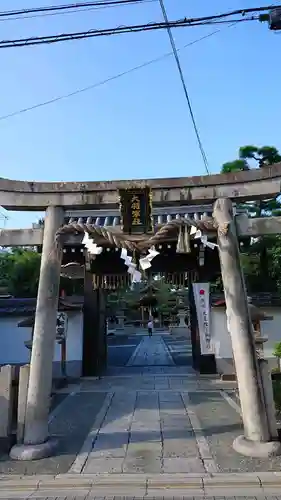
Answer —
187 230
183 244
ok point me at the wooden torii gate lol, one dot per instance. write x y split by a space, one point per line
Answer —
57 197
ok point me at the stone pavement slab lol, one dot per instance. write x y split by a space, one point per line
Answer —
151 351
94 496
165 423
169 431
120 349
143 429
153 381
143 370
148 432
180 349
144 486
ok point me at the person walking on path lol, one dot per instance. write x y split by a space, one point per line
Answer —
150 327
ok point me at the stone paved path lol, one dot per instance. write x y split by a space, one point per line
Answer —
164 422
151 351
145 497
146 427
147 432
180 349
149 424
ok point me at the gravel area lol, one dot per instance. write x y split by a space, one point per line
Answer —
71 426
221 425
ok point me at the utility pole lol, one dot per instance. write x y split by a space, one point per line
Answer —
3 218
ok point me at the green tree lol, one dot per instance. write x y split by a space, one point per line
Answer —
5 269
261 157
19 272
264 156
166 299
275 253
258 157
234 166
157 295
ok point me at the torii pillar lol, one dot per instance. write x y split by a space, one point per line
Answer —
36 443
257 440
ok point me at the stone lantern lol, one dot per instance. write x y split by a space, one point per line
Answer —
256 317
182 308
121 316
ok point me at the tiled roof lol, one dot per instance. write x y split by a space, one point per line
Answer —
25 307
262 299
17 307
160 215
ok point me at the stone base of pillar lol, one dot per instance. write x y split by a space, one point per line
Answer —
30 452
256 449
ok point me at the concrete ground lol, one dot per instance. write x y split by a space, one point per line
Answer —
149 427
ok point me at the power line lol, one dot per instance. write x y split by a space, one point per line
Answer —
181 23
175 53
241 12
78 10
107 80
79 5
185 22
76 6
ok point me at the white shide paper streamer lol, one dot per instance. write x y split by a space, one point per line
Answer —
92 247
145 262
204 240
132 268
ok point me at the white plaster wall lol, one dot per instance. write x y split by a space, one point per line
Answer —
220 335
12 338
271 329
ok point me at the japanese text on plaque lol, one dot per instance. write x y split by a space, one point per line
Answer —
136 211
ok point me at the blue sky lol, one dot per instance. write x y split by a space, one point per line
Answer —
136 126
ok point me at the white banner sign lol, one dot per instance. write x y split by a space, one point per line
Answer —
61 326
202 303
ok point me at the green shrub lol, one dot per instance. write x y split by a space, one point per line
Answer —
277 353
277 395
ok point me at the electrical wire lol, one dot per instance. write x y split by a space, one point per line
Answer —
175 53
25 42
199 21
241 12
75 6
78 10
79 5
112 78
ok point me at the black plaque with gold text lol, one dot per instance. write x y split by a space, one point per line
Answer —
135 206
